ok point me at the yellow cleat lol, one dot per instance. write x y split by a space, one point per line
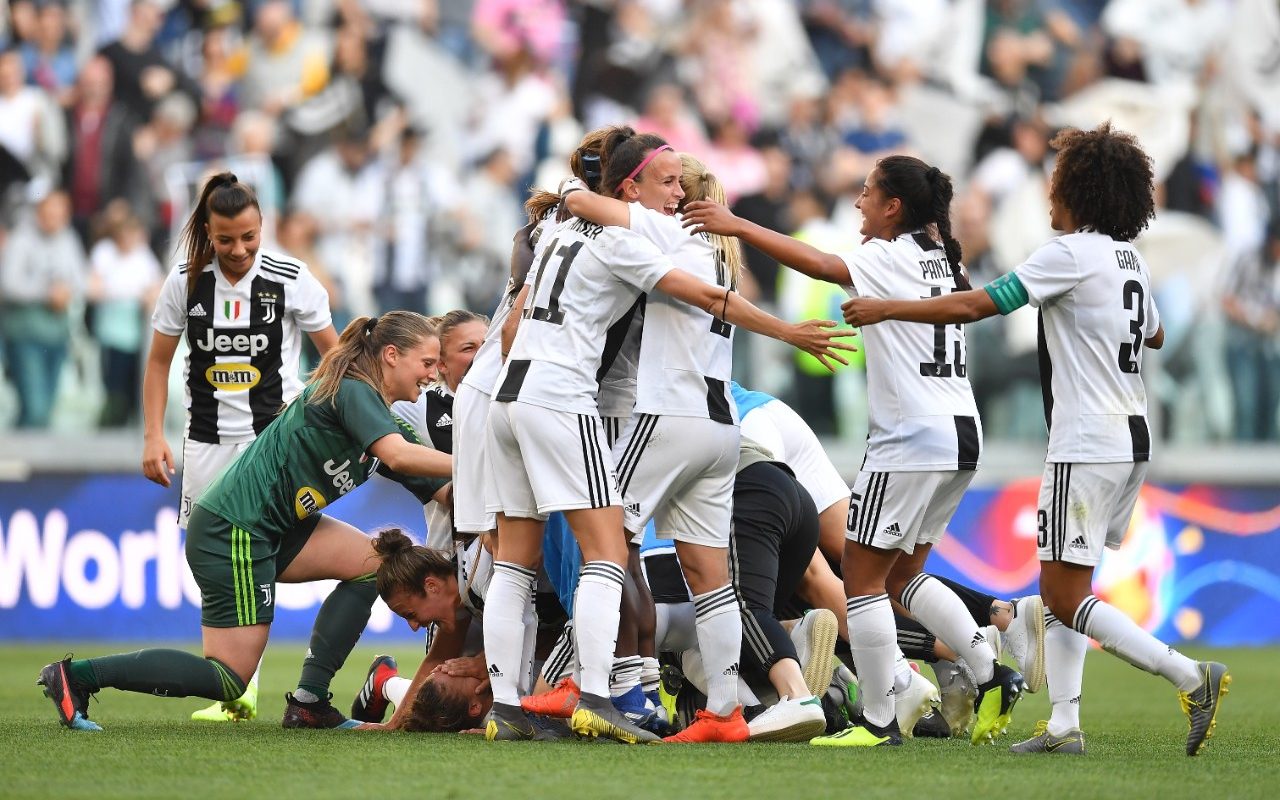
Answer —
244 707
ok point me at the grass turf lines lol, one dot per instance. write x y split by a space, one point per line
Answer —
1135 734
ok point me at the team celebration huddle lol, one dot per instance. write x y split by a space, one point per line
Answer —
622 542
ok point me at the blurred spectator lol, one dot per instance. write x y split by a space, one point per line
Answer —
282 63
32 136
511 105
808 137
717 62
1165 42
219 94
124 277
1021 156
1251 303
622 55
841 32
42 275
876 131
494 211
163 142
344 188
49 57
1026 47
101 166
667 114
1243 210
732 159
503 28
142 74
421 207
767 208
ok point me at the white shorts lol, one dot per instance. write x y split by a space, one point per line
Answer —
782 432
613 428
201 463
470 418
1084 508
541 460
903 510
679 472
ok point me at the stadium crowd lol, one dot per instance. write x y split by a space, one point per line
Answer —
392 143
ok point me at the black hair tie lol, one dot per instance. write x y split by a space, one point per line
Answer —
933 174
369 326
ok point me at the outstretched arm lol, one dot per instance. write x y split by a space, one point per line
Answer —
957 307
816 337
706 217
597 208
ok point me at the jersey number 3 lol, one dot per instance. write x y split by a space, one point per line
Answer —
1133 301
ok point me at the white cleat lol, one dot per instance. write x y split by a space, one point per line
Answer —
919 699
1024 640
789 721
815 640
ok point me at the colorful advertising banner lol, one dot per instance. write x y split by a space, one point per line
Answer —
101 558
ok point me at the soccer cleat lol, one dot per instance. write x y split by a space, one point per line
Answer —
815 640
371 704
244 707
789 721
1024 640
1041 741
635 706
507 723
320 714
549 729
862 735
1201 705
932 726
559 702
910 705
955 685
71 700
994 704
708 727
671 682
596 716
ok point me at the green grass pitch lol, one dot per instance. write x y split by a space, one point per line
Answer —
150 749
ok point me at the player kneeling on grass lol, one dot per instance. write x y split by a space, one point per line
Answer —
1093 290
259 521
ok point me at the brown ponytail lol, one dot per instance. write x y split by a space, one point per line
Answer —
358 351
406 566
225 196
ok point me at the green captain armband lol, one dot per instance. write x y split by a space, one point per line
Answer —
1007 292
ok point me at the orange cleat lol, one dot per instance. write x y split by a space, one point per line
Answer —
558 703
708 727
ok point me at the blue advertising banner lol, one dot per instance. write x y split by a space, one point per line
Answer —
101 557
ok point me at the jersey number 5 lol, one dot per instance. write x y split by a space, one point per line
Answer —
938 367
552 312
1133 300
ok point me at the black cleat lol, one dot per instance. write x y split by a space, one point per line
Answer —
370 704
70 699
1201 705
320 714
932 726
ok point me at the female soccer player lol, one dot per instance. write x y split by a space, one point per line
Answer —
1093 291
241 308
924 441
547 450
260 521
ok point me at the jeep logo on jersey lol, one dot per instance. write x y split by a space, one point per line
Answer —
233 377
308 501
238 343
341 473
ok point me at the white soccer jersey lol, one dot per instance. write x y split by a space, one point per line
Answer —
1096 308
923 416
586 279
245 341
686 354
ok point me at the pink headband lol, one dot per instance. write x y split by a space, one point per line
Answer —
652 155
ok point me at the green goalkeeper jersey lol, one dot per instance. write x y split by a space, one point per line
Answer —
309 456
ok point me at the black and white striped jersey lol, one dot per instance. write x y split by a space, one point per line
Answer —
923 417
244 342
686 354
1096 310
586 279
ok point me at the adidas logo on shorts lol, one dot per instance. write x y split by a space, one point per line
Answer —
198 311
1079 543
444 421
892 530
494 672
632 508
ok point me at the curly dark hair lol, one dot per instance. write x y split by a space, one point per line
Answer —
434 711
1104 179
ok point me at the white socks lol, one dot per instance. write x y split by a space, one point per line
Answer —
1122 636
938 608
510 594
1064 651
563 658
625 675
596 613
395 689
650 674
873 638
719 624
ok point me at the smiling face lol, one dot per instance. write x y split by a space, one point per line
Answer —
437 603
405 372
458 349
236 239
879 213
657 187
